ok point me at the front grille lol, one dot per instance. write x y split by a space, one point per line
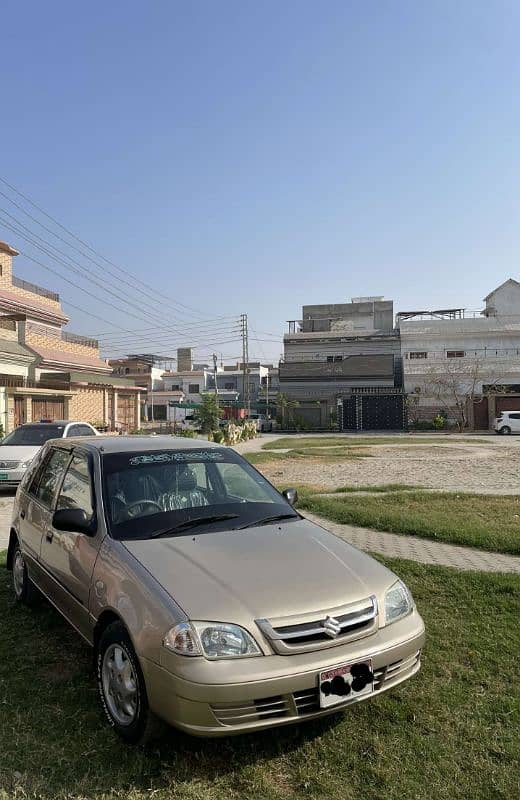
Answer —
9 464
344 624
386 676
252 710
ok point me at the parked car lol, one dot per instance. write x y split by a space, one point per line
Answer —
508 422
263 424
18 448
211 603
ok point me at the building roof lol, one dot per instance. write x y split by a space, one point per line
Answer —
60 358
6 248
13 348
505 283
15 302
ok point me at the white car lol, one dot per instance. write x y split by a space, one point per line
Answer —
18 449
508 422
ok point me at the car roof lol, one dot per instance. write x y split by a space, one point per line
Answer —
56 422
125 444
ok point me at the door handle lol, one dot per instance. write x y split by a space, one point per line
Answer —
22 514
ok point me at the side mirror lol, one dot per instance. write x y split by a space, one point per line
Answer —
74 520
291 495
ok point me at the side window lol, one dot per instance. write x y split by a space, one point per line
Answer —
51 476
76 490
85 430
34 473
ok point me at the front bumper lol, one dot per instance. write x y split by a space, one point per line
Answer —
13 477
276 690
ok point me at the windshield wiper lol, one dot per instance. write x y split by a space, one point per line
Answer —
191 523
267 520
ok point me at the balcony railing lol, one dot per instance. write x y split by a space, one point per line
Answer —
32 287
78 339
472 355
20 382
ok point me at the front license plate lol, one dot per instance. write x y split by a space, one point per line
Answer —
345 682
4 476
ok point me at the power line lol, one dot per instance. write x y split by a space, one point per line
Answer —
85 244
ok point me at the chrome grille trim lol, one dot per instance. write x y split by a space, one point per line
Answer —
352 621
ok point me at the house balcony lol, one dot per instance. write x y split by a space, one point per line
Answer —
35 289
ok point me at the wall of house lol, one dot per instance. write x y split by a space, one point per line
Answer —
505 300
50 337
88 404
6 282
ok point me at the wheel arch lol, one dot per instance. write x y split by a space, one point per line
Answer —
105 619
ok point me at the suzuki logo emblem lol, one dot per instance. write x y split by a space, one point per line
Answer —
331 627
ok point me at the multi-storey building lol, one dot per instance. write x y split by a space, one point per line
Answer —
50 373
474 353
343 362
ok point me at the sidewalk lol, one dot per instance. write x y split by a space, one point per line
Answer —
422 550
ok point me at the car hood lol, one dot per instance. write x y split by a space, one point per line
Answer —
270 571
13 452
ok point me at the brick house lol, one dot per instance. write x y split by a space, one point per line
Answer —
46 372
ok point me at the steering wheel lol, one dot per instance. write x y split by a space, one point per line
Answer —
136 503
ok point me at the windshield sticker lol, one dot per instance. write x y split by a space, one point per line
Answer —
170 457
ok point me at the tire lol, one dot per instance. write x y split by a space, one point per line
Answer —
505 431
122 688
24 589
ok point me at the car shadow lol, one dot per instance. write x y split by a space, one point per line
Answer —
50 685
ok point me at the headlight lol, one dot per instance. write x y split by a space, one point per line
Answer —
212 640
25 464
398 602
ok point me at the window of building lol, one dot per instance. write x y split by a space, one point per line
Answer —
193 388
229 387
418 354
332 359
251 387
455 353
175 387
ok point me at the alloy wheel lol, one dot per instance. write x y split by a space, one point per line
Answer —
119 684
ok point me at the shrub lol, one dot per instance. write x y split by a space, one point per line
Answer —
186 433
422 425
217 436
439 422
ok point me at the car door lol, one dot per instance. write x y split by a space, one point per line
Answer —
35 508
515 422
69 557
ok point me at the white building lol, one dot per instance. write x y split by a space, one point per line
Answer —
483 348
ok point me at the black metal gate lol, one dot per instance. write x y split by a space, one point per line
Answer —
374 412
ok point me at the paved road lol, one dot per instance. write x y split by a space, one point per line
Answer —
422 550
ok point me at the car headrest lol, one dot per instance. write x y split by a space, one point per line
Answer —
187 480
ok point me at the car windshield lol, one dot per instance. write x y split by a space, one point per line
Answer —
175 492
33 435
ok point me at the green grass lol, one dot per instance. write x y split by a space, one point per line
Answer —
483 521
451 733
289 442
325 455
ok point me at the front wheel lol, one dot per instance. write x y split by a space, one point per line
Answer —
24 588
505 431
122 688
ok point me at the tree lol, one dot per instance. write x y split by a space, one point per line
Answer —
286 407
457 384
207 413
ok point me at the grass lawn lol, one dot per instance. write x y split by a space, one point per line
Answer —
383 487
449 734
322 455
288 442
484 521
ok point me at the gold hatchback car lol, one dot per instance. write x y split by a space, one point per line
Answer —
211 603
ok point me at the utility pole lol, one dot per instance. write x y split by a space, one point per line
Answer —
215 376
267 395
245 362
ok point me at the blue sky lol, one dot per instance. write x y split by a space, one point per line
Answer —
253 157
